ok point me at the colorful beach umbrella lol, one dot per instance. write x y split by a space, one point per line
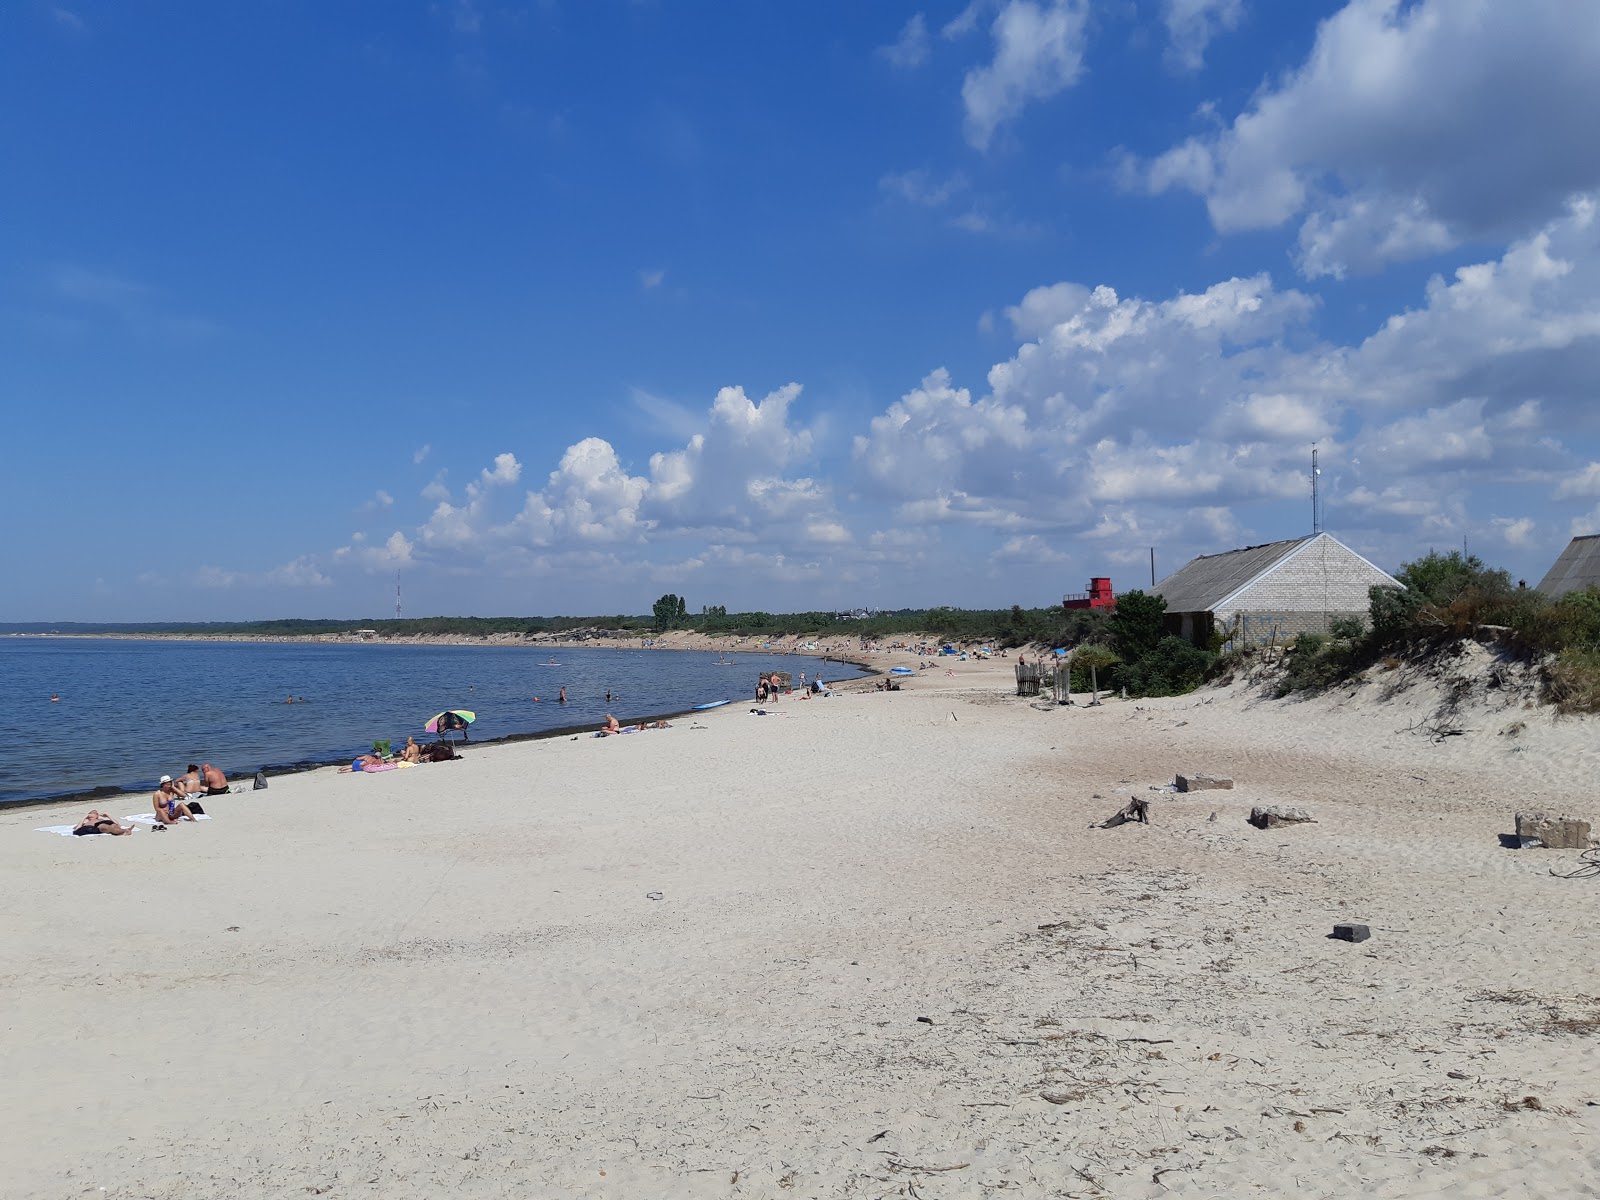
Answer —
467 718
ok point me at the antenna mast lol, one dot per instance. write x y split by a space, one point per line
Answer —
397 595
1316 510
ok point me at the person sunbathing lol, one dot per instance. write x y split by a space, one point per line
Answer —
412 752
216 783
365 763
99 822
611 726
168 802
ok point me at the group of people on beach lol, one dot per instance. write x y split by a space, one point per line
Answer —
409 755
173 800
770 687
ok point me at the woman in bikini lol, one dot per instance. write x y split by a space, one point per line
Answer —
169 805
99 822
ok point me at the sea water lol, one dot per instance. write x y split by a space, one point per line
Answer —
130 711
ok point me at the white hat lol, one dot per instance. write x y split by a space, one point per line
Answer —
166 779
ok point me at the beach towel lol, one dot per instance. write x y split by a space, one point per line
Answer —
66 831
150 818
376 769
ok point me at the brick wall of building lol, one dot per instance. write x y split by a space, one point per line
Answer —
1314 586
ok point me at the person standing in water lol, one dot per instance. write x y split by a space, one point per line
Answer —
562 699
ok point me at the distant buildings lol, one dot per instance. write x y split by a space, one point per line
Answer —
1577 568
1279 589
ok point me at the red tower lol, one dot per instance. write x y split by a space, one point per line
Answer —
1099 595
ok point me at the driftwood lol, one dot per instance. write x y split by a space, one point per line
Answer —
1136 810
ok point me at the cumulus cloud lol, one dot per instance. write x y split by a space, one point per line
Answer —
1406 130
1514 531
1191 24
420 453
910 49
1038 53
1115 423
1126 420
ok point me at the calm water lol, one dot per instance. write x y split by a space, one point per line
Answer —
132 711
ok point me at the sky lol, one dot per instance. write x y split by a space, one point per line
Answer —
554 306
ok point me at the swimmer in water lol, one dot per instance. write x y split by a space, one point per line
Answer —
563 697
55 699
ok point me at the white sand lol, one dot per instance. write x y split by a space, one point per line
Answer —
449 980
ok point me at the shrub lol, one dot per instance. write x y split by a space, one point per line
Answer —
1572 681
1172 668
1348 629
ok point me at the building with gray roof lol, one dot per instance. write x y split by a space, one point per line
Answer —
1577 568
1270 592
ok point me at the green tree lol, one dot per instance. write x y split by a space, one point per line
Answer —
1137 624
670 611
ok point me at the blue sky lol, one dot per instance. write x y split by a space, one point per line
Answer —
551 307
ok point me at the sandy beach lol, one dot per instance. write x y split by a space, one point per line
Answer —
889 957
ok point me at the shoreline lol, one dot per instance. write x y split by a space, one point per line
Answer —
109 793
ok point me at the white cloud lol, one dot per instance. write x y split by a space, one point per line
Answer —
651 279
666 415
1029 548
436 491
505 470
1408 128
420 453
1191 24
921 188
910 49
1038 52
1583 483
1514 531
1358 235
300 573
966 20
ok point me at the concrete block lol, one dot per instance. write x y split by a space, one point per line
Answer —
1554 832
1203 783
1273 815
1351 932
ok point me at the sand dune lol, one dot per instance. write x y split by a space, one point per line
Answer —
891 957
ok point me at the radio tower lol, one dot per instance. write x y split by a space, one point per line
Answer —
397 595
1316 511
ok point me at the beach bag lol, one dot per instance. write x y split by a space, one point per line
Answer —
441 752
261 782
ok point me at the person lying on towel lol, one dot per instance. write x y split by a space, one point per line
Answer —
99 822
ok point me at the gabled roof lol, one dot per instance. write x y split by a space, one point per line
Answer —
1202 583
1577 568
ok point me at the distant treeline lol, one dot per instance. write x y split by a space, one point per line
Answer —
1012 626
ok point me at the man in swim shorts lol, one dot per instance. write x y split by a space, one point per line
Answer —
169 805
216 782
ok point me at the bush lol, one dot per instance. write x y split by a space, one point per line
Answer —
1315 663
1572 681
1348 629
1172 668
